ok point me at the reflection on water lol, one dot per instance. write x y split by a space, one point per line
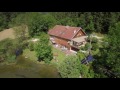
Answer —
25 68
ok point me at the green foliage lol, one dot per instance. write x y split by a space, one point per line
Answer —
87 46
21 33
95 46
67 21
107 65
7 50
86 72
71 67
20 19
80 55
40 22
5 19
94 40
2 22
36 22
90 26
21 36
31 46
11 59
82 48
88 38
89 21
43 49
82 21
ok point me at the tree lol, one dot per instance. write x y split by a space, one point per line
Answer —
107 64
31 46
21 33
18 19
3 22
95 46
21 36
43 49
67 21
82 21
90 23
71 67
40 23
87 46
94 40
7 50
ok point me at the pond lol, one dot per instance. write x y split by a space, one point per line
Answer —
25 68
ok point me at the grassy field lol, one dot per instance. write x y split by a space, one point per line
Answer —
30 54
60 56
26 68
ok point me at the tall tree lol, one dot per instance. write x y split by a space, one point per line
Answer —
71 67
40 22
43 49
3 22
107 64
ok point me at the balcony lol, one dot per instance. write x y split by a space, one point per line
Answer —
78 42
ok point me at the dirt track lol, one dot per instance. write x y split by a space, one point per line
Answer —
8 33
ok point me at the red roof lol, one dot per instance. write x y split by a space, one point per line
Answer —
66 32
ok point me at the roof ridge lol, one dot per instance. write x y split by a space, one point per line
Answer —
63 32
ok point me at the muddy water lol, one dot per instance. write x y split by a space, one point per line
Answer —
25 68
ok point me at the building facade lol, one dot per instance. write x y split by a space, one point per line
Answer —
67 37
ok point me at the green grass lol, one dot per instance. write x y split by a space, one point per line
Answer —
26 68
61 55
60 58
30 54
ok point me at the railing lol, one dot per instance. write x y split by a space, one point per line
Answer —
76 44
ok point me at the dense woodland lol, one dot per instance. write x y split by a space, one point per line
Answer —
107 60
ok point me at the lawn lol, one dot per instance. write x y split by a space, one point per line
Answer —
26 68
29 54
60 55
59 58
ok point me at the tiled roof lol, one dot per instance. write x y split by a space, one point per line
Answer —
65 32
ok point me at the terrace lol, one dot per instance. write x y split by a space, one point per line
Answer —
78 42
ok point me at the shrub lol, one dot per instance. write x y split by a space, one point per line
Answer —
87 46
95 46
88 38
11 59
82 48
31 46
94 40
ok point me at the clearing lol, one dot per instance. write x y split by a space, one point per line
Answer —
7 33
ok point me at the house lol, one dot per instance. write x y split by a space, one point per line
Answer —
68 37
